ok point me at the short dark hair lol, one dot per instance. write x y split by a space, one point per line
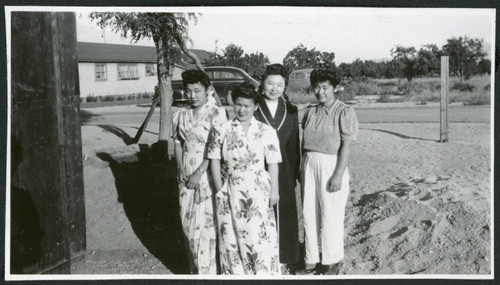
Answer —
275 69
323 74
193 76
245 90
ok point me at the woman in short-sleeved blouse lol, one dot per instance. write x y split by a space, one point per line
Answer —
330 127
246 222
191 127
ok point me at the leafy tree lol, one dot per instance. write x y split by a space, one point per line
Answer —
356 69
484 66
464 53
428 60
393 69
233 55
300 57
344 70
407 56
215 59
370 69
170 35
255 64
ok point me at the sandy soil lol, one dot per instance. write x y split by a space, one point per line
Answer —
416 206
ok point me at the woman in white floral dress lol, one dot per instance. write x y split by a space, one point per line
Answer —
191 128
248 241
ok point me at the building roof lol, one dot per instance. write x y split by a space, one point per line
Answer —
97 52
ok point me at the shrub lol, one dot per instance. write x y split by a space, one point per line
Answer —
121 98
301 97
107 98
423 96
384 98
344 96
91 98
471 98
361 88
387 83
132 97
145 95
463 87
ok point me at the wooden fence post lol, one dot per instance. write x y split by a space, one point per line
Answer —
445 84
47 194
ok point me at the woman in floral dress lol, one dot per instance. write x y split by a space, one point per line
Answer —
246 191
191 128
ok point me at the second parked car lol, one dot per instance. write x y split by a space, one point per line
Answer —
299 79
223 78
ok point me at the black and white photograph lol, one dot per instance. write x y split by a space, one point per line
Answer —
249 142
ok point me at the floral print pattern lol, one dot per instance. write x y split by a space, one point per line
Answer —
196 206
247 229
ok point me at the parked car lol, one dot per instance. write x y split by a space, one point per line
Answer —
299 79
223 78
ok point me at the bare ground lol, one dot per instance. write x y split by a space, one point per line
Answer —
416 206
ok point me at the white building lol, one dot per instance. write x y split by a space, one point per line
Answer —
112 69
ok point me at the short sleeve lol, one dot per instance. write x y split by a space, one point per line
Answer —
348 124
271 142
175 127
215 142
219 116
305 116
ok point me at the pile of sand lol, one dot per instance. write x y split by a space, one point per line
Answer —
416 206
419 206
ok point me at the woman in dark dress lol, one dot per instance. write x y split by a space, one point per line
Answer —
276 111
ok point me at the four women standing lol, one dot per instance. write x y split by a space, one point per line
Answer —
254 162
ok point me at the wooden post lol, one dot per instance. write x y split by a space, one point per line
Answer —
445 83
47 226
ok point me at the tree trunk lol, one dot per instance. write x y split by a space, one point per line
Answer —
165 68
165 108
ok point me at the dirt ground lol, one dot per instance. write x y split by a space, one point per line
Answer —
416 206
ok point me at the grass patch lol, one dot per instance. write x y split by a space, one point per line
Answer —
468 98
301 97
475 91
354 88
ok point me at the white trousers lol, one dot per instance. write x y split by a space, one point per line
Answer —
323 211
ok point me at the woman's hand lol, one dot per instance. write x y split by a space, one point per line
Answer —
334 183
274 199
182 175
193 181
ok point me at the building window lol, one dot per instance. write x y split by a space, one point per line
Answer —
128 71
150 69
100 72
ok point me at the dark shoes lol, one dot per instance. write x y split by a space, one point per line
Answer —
320 269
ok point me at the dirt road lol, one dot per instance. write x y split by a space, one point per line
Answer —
416 206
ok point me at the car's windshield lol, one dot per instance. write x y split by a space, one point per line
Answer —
224 75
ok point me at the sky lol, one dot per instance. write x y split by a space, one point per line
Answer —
365 33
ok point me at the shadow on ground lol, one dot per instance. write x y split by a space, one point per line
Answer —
399 135
149 194
85 117
119 133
